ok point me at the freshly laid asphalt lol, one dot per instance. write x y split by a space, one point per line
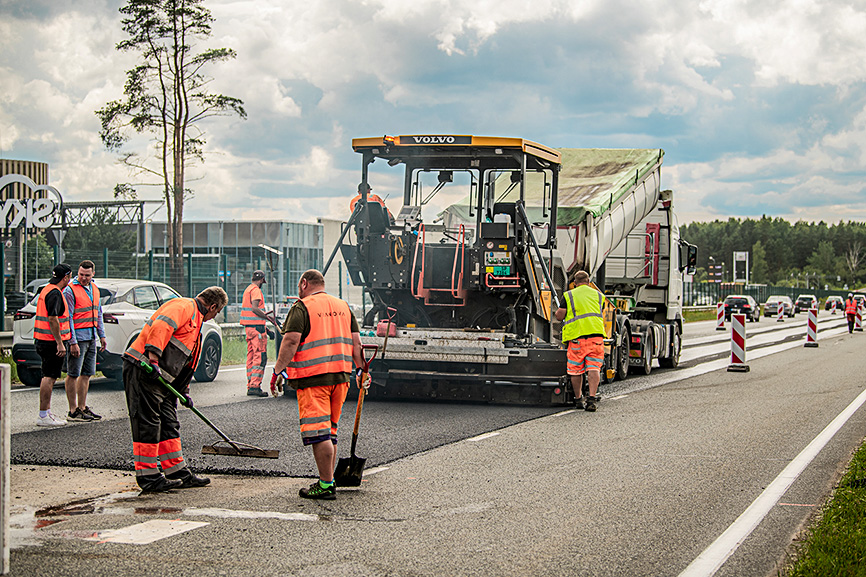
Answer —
388 431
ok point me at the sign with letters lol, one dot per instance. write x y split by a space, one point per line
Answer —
31 212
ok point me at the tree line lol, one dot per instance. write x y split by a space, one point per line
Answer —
783 253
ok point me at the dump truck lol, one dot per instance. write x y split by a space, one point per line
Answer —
463 297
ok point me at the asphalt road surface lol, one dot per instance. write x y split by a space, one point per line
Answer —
645 486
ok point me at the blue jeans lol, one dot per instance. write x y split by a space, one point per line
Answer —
85 362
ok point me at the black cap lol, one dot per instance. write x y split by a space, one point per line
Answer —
61 270
259 275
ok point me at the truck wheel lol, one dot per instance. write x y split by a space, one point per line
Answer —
673 361
647 361
622 356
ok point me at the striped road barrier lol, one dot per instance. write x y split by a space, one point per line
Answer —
812 329
738 344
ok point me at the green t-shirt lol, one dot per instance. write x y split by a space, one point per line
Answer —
298 321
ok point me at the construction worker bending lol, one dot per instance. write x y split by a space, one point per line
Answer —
87 335
170 342
583 330
321 338
254 320
850 311
50 334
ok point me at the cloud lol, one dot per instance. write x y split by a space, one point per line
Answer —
759 105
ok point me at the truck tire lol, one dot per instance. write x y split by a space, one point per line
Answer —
622 356
646 365
673 361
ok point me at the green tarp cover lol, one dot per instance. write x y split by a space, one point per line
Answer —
591 180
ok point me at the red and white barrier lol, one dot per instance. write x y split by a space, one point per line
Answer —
781 313
720 317
812 329
738 344
858 320
833 308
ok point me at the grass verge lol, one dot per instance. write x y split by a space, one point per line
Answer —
692 316
836 543
235 351
7 359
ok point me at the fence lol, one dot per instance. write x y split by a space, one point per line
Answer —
701 294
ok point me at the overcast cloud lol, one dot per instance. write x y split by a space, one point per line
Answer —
760 105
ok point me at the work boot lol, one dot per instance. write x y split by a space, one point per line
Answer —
578 403
189 479
158 484
590 404
316 491
256 392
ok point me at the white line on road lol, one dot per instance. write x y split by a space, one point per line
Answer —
714 556
482 437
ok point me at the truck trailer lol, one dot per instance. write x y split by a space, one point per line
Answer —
463 299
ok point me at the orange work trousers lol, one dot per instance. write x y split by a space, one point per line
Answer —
257 356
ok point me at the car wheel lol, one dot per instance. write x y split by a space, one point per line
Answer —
209 363
29 376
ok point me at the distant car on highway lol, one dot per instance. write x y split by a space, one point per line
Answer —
742 304
126 305
805 302
840 303
771 307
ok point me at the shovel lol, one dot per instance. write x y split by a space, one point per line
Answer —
349 471
234 448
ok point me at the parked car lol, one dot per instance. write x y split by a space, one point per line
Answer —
771 307
840 303
742 304
861 300
126 306
805 302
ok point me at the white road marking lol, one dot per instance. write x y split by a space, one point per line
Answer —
617 397
147 532
714 556
482 437
240 514
375 470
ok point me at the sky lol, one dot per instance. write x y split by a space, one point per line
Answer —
760 105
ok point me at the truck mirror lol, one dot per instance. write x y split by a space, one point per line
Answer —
692 259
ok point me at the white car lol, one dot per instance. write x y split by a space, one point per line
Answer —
126 306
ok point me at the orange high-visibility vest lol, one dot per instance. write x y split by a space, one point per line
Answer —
248 317
86 309
850 307
173 333
328 347
41 328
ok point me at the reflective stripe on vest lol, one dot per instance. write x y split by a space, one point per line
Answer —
851 307
589 302
328 347
176 325
248 317
86 309
41 327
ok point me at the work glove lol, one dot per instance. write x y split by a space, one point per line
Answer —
187 401
154 372
367 379
277 380
271 334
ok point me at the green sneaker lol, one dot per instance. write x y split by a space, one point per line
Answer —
316 491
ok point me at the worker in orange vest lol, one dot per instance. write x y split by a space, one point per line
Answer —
170 343
51 332
254 319
321 338
370 198
850 311
88 335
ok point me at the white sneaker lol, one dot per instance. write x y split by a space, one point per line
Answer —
50 420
